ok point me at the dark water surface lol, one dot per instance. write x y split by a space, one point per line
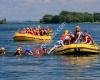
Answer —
47 67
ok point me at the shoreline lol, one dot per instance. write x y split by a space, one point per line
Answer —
49 23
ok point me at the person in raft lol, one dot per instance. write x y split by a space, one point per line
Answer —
82 37
78 35
66 37
59 43
87 38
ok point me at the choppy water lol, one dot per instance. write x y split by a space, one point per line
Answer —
47 67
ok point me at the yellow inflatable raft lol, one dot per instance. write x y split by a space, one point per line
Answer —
79 48
30 37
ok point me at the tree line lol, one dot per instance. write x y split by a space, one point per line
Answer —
3 21
71 17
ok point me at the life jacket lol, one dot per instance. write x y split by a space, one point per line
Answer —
87 38
45 31
62 37
47 28
34 31
68 37
38 52
42 32
31 32
26 31
78 35
23 31
37 32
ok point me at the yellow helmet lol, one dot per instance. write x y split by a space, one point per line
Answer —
66 32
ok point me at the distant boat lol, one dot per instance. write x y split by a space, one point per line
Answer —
29 37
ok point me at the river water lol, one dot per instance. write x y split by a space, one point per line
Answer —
48 67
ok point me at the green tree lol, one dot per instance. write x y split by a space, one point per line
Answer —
3 21
69 17
96 17
46 19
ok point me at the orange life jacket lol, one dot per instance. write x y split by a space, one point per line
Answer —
62 37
